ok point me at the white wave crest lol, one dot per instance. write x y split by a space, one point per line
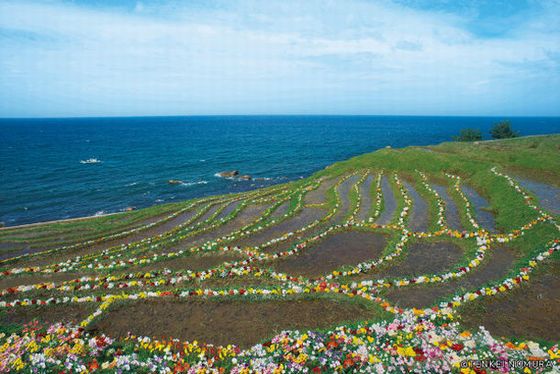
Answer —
187 184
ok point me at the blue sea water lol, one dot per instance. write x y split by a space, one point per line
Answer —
42 178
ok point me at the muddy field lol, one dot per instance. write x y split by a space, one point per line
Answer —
334 251
226 322
529 312
225 317
495 267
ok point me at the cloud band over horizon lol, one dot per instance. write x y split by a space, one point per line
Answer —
416 57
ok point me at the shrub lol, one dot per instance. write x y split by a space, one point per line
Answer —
468 135
502 130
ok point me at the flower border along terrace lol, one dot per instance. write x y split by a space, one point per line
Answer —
411 339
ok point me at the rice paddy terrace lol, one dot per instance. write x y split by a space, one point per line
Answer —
415 259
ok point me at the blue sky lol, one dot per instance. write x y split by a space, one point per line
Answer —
410 57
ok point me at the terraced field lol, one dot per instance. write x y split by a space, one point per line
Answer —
387 262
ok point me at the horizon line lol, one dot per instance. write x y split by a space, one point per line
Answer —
505 117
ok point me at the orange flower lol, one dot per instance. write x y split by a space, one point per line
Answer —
94 365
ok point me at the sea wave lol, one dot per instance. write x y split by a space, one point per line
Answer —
187 184
90 161
253 178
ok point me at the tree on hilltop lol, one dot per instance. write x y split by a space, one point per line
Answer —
502 130
468 135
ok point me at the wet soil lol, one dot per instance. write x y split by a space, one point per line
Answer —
334 251
26 279
484 217
193 262
420 216
527 312
452 216
12 249
494 268
225 322
423 258
548 195
45 237
74 313
281 210
366 193
389 202
248 215
238 282
318 196
304 218
228 209
344 191
65 255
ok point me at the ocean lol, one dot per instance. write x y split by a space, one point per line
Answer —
45 173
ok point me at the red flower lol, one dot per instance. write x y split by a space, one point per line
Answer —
316 369
332 344
181 368
457 347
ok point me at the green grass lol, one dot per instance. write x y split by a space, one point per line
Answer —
472 161
533 157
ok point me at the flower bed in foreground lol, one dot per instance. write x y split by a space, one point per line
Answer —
409 342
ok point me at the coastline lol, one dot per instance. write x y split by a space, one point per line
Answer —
55 221
135 172
311 174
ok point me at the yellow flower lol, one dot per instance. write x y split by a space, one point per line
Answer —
408 351
18 364
356 340
78 348
32 347
46 338
418 312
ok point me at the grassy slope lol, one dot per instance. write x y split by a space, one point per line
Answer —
536 157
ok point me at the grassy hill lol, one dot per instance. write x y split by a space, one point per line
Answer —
385 262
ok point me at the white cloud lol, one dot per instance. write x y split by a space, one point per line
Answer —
269 57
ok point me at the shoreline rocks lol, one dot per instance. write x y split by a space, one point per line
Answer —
234 175
228 174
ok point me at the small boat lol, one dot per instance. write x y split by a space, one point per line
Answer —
90 161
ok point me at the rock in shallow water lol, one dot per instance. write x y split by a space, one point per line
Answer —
228 173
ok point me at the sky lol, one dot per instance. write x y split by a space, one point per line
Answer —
161 57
